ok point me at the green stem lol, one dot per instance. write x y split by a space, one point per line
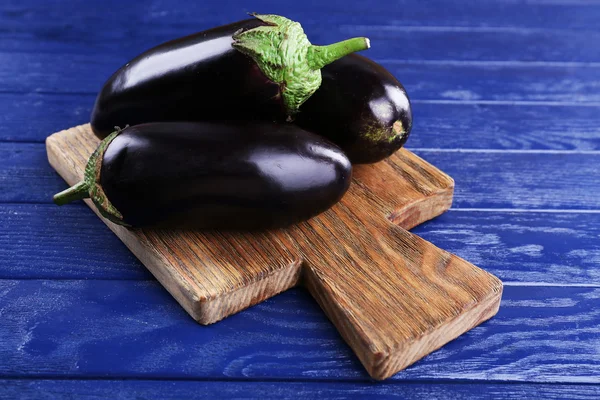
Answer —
285 56
79 191
320 56
90 186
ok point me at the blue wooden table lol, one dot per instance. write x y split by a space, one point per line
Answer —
506 98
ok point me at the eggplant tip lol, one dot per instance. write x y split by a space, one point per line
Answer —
399 130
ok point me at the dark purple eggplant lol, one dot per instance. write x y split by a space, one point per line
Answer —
258 69
212 175
361 107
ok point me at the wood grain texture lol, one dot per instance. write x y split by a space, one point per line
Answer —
393 296
176 390
135 330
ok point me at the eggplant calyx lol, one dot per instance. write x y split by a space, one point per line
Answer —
90 186
284 54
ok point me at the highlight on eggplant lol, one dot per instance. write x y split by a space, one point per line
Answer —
263 68
212 175
361 107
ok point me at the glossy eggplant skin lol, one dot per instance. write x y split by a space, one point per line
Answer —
361 107
194 78
223 176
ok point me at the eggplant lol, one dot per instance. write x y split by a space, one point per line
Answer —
212 175
258 69
361 107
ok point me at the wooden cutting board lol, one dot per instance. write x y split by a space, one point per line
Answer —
393 296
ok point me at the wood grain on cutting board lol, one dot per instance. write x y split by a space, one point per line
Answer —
393 296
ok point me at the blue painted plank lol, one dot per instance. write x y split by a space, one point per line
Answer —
25 175
32 117
47 73
113 329
556 248
387 41
483 44
484 179
167 390
47 242
521 180
14 14
510 127
511 83
126 329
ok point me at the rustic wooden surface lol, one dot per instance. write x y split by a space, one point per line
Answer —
393 296
502 102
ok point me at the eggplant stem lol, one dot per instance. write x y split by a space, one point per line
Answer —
285 56
320 56
79 191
